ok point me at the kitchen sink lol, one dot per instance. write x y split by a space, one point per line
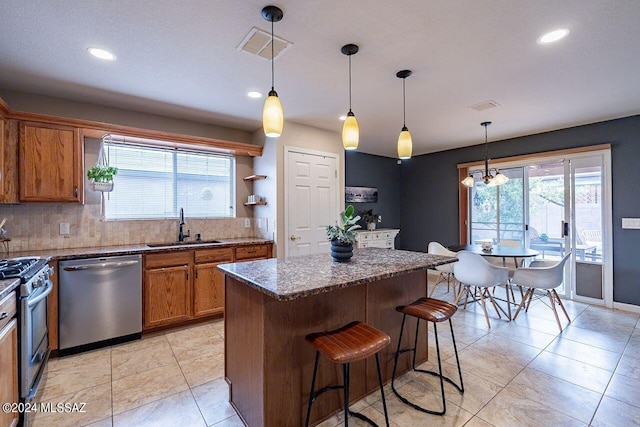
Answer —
188 243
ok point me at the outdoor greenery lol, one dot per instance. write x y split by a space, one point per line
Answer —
100 173
344 230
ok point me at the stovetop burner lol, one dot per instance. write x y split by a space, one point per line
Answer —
17 267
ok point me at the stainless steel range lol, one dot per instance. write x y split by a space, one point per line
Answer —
33 333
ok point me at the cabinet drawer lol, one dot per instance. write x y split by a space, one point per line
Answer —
167 259
251 252
363 237
214 255
7 309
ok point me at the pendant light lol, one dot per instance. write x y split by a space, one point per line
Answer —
405 145
350 129
272 114
489 179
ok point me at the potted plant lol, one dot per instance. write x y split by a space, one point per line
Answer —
101 177
343 235
371 219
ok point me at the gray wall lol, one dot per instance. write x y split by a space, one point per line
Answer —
430 205
367 170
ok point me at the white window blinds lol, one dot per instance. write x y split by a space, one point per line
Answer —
154 183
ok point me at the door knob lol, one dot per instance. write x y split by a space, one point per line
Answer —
294 237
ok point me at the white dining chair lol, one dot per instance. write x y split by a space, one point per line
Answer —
472 270
542 275
446 270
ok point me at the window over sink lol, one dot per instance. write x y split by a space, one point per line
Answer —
154 183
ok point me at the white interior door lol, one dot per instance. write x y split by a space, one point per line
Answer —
311 200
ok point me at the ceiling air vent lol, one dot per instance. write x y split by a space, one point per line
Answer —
258 42
486 105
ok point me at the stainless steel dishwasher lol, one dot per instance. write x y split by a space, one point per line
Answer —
99 302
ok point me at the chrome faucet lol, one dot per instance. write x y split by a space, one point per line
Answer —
181 235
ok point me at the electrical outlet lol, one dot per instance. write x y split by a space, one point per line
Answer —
247 222
64 228
259 222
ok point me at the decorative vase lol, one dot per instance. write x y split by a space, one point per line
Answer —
341 252
105 187
371 226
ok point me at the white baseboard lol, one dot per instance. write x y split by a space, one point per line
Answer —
626 307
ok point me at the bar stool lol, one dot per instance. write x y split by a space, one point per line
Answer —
431 310
351 343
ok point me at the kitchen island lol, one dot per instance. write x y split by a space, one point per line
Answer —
270 306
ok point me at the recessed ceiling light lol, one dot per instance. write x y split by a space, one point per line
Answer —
343 118
101 53
254 94
553 36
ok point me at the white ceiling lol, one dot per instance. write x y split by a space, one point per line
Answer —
179 58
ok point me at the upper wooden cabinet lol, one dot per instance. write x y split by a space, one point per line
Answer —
50 163
8 161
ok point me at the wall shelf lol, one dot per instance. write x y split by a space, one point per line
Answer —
255 204
254 177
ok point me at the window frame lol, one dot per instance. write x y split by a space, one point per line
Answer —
175 174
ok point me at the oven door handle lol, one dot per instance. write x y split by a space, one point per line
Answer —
100 266
43 295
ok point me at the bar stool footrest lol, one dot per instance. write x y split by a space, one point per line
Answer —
447 379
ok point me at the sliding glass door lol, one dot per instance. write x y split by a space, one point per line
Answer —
554 207
587 217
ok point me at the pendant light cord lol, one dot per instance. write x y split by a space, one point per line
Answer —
272 72
349 83
486 152
404 108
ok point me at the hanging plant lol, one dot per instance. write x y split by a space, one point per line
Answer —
102 177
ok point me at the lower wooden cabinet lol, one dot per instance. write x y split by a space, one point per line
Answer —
167 289
184 285
9 363
208 284
208 290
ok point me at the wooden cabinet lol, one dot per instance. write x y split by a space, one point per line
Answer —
253 252
185 285
50 163
167 288
8 359
208 284
8 161
382 238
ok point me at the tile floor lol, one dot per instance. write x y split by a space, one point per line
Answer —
520 373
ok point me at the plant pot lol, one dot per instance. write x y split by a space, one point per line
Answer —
104 187
341 252
371 226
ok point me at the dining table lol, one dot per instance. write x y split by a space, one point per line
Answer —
498 251
504 252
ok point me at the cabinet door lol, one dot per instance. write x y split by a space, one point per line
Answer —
166 295
208 290
50 163
9 161
9 371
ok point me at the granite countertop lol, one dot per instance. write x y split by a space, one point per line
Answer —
100 251
301 276
7 286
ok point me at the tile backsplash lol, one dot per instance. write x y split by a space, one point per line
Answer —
37 226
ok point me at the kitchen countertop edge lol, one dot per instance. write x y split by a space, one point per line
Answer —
7 286
103 251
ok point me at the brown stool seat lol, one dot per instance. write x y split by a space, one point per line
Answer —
352 342
435 311
429 309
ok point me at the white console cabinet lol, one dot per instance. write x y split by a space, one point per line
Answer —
381 238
